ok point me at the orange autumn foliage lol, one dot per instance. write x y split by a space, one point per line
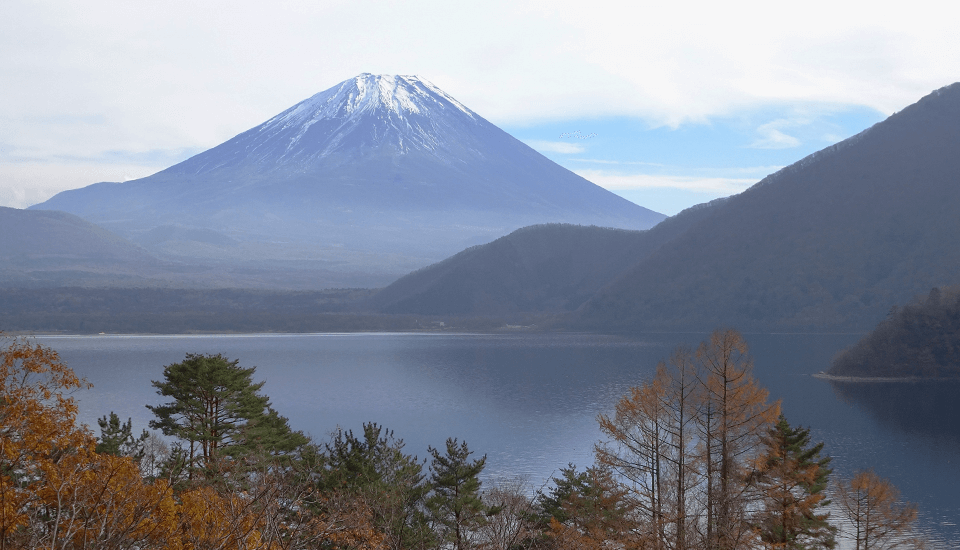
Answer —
877 519
211 521
36 428
100 501
57 492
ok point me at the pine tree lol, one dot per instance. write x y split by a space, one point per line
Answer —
215 405
589 509
455 504
117 439
791 475
269 434
374 469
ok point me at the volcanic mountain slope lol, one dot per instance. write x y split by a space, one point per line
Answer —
830 242
374 165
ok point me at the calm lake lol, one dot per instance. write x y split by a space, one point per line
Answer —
529 402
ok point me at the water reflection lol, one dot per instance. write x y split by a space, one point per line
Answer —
919 428
924 408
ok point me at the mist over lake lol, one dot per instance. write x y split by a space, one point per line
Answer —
529 402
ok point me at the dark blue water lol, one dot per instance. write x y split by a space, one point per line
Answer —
529 402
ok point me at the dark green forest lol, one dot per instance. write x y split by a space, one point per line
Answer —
918 340
176 311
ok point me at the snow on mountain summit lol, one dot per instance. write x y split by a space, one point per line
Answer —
398 95
365 115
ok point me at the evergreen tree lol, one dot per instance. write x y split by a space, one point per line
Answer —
215 405
588 509
455 505
375 469
792 475
554 503
269 433
117 439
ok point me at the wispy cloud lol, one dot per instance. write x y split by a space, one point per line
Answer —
759 171
623 162
560 147
611 181
772 138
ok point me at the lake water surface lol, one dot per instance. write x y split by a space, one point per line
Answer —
529 402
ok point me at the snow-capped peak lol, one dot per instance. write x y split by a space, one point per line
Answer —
397 95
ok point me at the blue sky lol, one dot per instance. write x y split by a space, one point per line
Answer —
676 103
668 169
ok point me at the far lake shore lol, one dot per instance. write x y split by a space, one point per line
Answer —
834 378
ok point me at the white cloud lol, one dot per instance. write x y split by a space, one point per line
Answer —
619 182
771 138
561 147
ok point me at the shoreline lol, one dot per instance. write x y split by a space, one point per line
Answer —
872 379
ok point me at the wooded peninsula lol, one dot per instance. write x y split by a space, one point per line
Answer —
918 340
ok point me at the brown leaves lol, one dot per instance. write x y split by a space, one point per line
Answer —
878 521
57 492
37 427
684 441
100 501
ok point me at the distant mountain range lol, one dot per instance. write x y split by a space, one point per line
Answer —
831 242
376 176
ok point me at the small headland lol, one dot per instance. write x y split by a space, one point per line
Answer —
919 341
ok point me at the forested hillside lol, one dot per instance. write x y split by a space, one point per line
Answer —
534 269
918 340
830 242
537 269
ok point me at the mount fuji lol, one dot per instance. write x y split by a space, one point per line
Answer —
378 175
